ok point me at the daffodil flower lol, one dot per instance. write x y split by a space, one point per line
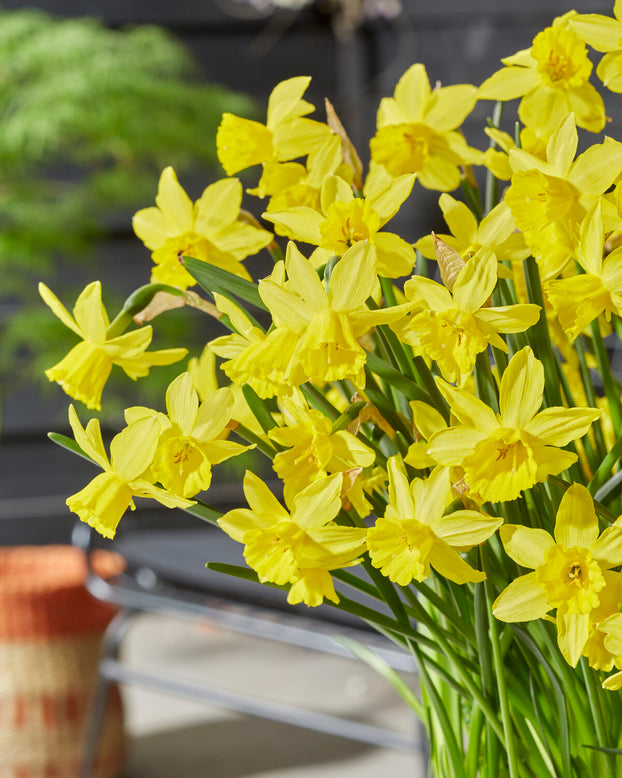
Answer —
298 548
286 135
253 357
452 328
496 231
345 220
579 299
418 131
313 450
84 371
549 199
191 437
552 78
568 570
327 324
105 499
211 230
503 454
603 34
415 534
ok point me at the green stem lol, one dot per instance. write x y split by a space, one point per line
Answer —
589 678
539 335
612 390
500 670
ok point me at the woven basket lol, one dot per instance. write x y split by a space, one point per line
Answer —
50 635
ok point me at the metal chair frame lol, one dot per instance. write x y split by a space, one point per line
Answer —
136 594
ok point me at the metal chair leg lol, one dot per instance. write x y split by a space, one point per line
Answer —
109 650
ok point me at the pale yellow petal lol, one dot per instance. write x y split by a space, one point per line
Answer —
174 202
304 279
572 635
319 503
213 415
132 450
89 440
466 528
431 503
218 206
448 107
412 91
523 600
525 545
394 256
476 281
451 446
334 189
597 168
299 223
448 563
469 409
261 499
558 426
90 314
459 218
353 278
387 201
521 389
182 403
286 102
508 83
58 309
400 496
576 523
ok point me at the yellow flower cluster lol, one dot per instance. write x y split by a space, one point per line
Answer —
413 399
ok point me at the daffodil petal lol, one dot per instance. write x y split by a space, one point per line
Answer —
466 528
525 545
523 600
558 426
446 561
521 389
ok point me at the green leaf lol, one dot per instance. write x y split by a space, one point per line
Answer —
69 444
204 511
215 279
258 408
348 416
365 654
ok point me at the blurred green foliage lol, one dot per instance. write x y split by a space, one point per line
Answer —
88 118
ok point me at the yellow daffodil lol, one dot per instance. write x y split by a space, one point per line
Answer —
603 34
313 450
604 620
506 453
202 370
327 324
105 499
552 78
549 200
286 135
568 570
84 371
580 299
496 159
191 437
418 131
291 184
496 231
414 533
453 328
345 220
298 548
253 357
211 229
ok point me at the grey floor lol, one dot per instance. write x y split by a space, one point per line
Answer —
172 737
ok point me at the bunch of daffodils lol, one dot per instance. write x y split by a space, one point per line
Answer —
443 415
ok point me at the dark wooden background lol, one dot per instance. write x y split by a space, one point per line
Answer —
251 51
